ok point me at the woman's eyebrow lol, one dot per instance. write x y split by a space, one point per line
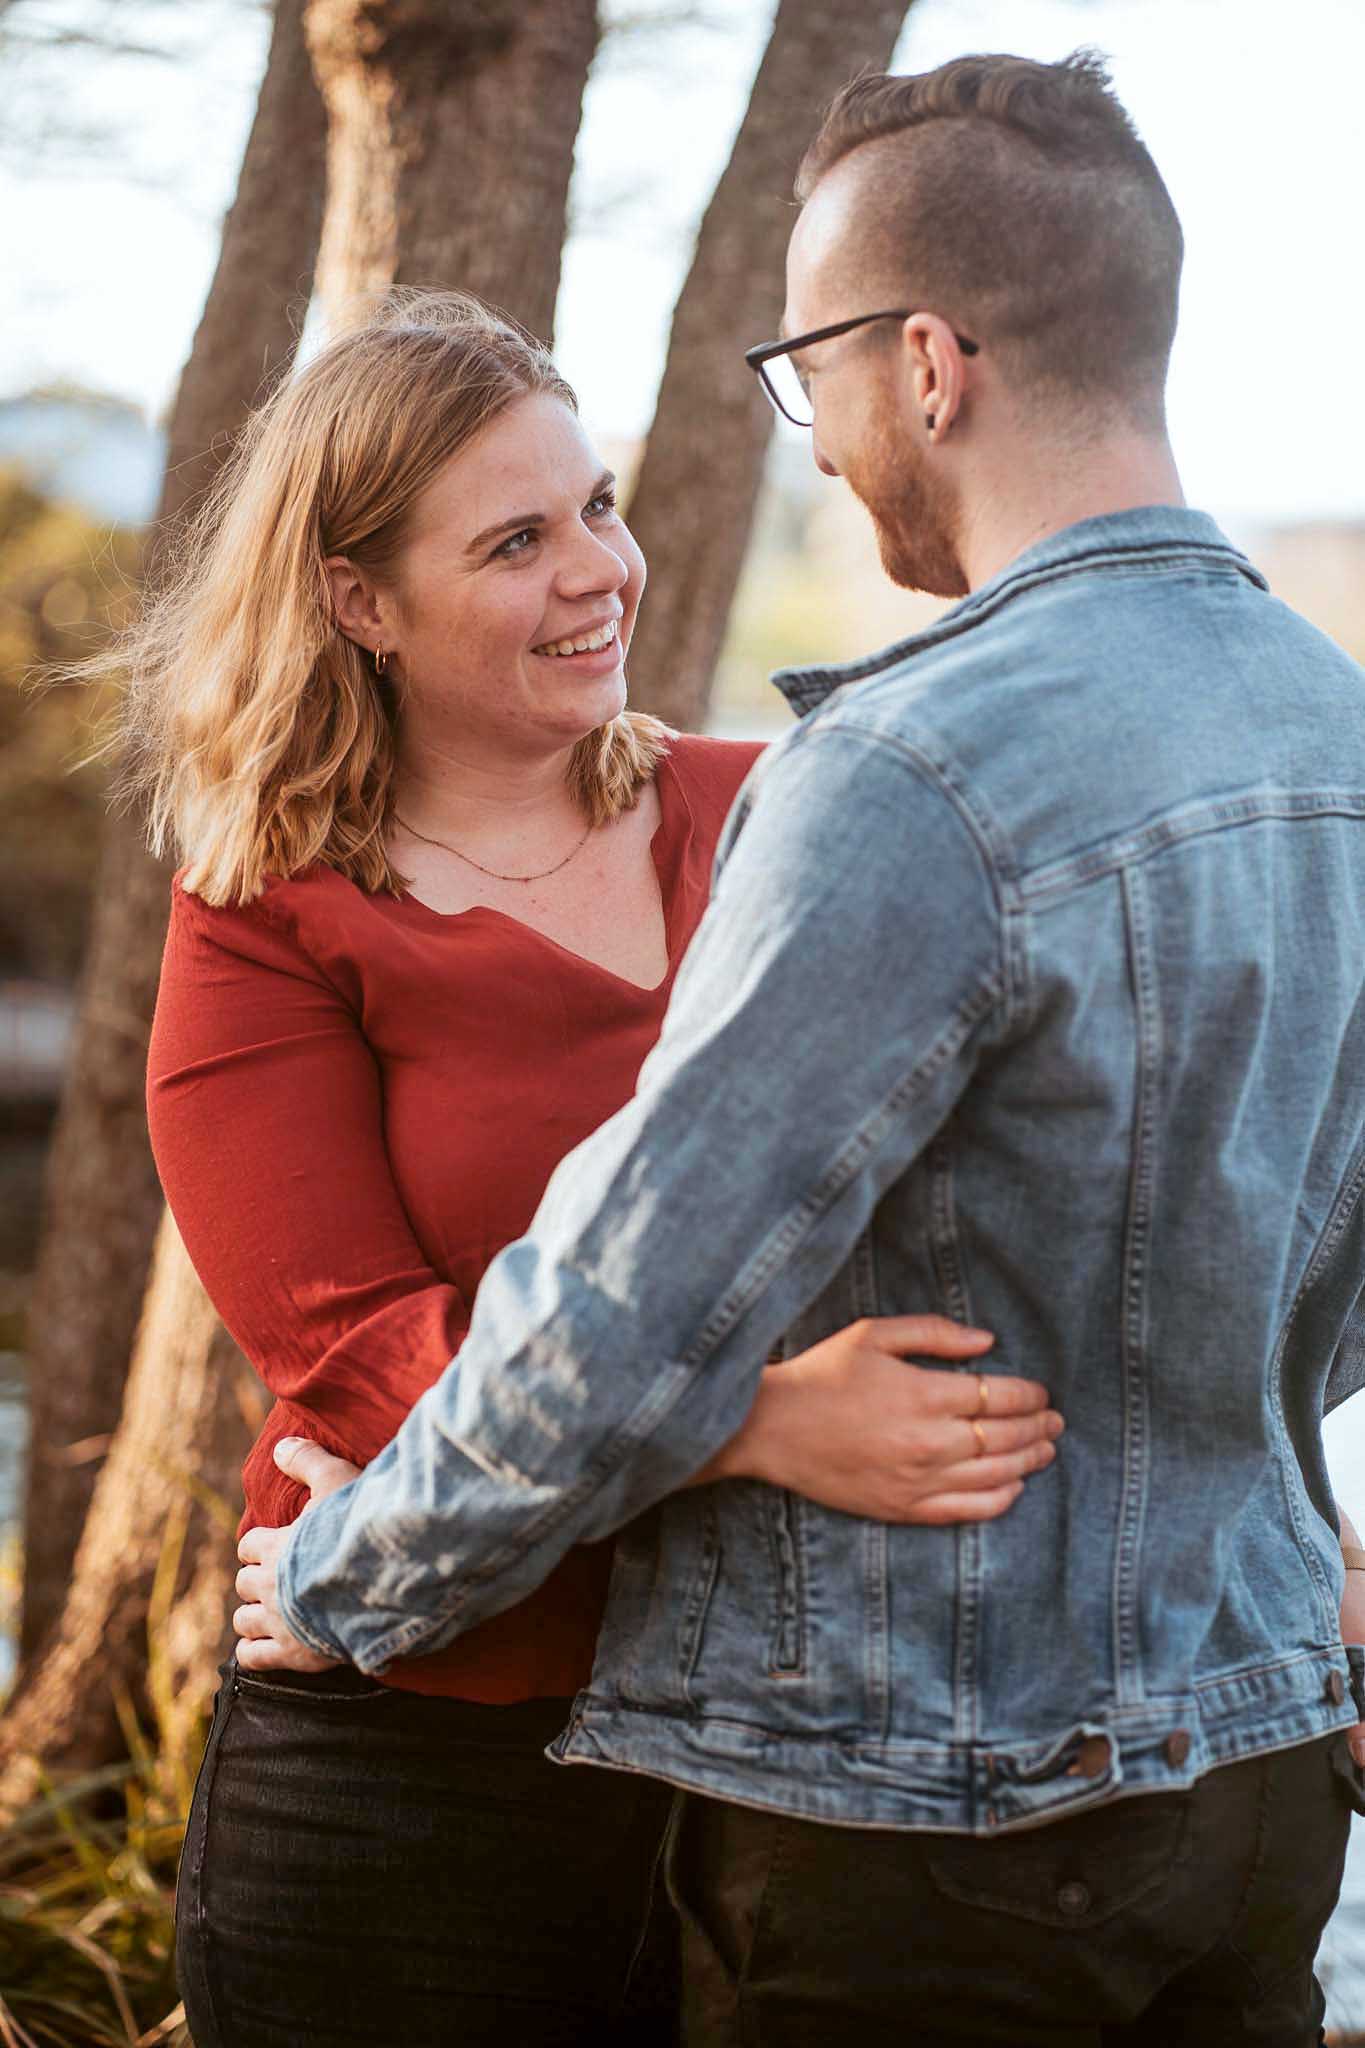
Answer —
513 525
605 482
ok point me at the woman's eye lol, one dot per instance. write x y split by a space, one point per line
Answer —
516 543
605 501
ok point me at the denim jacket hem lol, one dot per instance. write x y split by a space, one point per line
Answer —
964 1788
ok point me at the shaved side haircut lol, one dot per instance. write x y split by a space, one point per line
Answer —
1017 200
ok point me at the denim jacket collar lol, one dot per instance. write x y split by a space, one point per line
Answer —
1092 543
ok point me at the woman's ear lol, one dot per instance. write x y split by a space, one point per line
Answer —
355 601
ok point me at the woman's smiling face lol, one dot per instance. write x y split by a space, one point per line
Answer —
516 553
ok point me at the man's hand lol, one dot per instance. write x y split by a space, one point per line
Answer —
266 1643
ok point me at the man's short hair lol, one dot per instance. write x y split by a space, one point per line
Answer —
1017 200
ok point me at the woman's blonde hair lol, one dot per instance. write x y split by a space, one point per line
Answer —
260 738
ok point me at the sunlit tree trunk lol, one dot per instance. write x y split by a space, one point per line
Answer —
694 497
102 1199
451 136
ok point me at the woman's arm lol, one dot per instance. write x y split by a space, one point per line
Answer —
266 1119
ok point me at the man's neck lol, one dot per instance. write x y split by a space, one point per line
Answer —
1043 497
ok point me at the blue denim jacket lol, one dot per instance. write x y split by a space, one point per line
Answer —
1032 992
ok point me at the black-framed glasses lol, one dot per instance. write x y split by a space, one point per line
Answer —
772 362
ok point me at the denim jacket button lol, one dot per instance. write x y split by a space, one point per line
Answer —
1092 1758
1336 1688
1177 1747
1073 1900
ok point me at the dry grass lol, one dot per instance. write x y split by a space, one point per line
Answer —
87 1878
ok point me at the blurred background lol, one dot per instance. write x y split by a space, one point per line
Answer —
129 124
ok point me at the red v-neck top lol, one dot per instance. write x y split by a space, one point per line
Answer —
355 1103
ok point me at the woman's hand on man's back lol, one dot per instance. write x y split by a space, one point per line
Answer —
854 1424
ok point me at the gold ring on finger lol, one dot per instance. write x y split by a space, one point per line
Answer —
979 1432
983 1394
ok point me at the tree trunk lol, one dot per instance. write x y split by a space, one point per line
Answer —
451 141
693 502
156 1562
103 1201
439 148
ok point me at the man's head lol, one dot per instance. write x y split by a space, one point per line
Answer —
1005 201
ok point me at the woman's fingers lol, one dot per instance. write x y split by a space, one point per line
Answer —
960 1393
254 1546
983 1475
313 1467
935 1336
991 1435
251 1620
939 1508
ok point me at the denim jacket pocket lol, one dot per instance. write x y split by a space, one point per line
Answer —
787 1656
1067 1874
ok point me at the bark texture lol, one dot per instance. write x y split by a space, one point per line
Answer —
147 1617
693 503
451 140
102 1200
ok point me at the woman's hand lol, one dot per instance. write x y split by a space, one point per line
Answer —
852 1425
266 1643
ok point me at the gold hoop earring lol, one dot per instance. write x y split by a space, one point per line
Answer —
381 661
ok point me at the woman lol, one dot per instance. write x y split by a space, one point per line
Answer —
437 884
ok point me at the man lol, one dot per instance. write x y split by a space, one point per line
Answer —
1033 992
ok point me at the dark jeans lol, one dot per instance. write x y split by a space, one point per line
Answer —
1152 1922
365 1865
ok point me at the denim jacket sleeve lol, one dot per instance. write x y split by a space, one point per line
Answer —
845 979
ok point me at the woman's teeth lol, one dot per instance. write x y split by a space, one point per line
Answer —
589 643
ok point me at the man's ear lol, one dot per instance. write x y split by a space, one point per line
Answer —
355 601
935 367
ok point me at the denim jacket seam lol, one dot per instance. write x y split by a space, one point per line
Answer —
1074 871
1142 1177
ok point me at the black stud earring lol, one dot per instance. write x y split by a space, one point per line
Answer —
929 422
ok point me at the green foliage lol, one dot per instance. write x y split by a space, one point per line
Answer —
65 584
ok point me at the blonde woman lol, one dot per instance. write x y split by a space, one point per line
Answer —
437 882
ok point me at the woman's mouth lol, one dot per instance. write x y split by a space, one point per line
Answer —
594 642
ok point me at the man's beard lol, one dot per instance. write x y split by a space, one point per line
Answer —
914 518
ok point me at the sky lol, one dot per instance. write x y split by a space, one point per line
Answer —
1251 108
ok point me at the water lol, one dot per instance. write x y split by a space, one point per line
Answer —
1342 1962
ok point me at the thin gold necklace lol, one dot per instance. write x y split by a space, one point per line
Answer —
448 848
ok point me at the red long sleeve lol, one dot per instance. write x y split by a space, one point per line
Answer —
355 1104
267 1127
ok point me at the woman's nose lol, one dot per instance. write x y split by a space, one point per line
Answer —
593 565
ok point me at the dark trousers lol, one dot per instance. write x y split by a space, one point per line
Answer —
1153 1922
368 1866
